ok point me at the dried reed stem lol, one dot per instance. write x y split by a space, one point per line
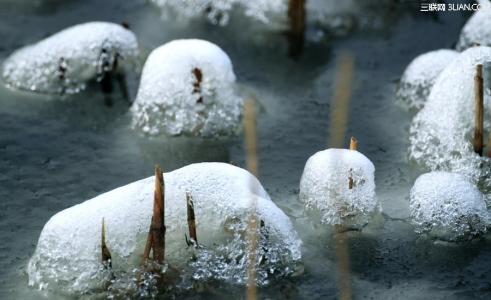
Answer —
191 218
353 145
479 111
105 253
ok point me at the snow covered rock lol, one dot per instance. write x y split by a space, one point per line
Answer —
187 87
441 133
477 30
448 206
68 253
420 75
325 187
65 61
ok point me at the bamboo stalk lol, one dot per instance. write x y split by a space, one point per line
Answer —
479 110
296 36
158 226
191 218
105 253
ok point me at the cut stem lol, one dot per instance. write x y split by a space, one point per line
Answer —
296 36
353 145
191 218
105 253
479 111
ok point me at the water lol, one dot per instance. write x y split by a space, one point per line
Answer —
54 154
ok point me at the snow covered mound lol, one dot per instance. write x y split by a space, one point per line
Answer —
325 187
68 254
187 87
477 30
420 75
441 133
64 61
448 206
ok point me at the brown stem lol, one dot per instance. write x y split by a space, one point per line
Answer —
157 226
105 253
352 146
296 36
479 110
198 75
191 218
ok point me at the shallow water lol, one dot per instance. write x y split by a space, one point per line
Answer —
54 154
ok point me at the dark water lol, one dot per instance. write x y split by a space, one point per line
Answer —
54 154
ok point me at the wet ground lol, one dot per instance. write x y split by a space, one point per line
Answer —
54 154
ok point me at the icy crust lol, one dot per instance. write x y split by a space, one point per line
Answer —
64 61
477 30
441 133
448 206
420 75
68 255
172 99
324 186
219 11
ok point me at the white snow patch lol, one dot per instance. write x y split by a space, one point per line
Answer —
477 30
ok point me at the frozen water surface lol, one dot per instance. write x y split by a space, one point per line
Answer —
55 154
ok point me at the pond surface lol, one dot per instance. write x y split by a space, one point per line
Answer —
54 154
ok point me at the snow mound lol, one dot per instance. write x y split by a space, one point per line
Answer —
187 87
324 186
65 61
448 206
420 75
441 133
68 253
477 30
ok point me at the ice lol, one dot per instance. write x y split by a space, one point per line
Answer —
448 207
420 75
65 61
187 87
67 256
477 30
441 133
324 187
219 11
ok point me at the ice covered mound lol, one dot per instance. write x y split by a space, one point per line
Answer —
325 187
68 254
441 133
477 30
64 61
448 206
218 12
187 87
420 75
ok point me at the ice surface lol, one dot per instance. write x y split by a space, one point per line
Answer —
324 186
448 206
172 99
441 133
68 253
64 61
218 11
477 30
420 75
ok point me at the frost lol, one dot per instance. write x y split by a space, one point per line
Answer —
441 133
187 87
68 253
65 61
324 186
477 30
420 75
218 11
448 206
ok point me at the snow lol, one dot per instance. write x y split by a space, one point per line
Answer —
420 75
324 187
78 49
477 30
68 251
168 100
448 207
441 133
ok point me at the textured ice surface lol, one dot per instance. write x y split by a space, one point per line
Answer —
324 186
64 61
477 30
68 251
420 75
448 206
218 11
174 99
441 133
